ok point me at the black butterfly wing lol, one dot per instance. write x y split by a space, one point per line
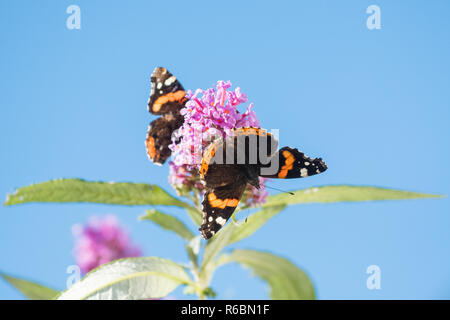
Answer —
214 172
159 137
249 149
246 147
289 163
166 98
218 206
167 93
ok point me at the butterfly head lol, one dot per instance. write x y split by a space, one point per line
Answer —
251 173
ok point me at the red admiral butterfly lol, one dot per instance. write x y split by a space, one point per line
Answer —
166 98
250 154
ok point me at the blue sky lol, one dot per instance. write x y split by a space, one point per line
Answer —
374 104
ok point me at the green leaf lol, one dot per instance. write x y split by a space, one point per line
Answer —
343 193
196 215
215 245
29 289
129 279
193 248
168 222
77 190
253 223
232 233
286 281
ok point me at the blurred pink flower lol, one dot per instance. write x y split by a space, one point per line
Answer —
101 240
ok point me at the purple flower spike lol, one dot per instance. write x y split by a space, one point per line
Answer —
207 115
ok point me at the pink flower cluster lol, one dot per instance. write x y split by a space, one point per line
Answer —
208 114
100 241
184 178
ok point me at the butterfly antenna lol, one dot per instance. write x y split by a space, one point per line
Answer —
291 193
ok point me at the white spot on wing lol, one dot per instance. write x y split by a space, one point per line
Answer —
220 221
169 81
303 172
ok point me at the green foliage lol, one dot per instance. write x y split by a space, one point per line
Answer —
129 278
29 289
168 222
286 281
77 190
216 244
253 223
193 249
119 193
143 278
343 193
195 214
